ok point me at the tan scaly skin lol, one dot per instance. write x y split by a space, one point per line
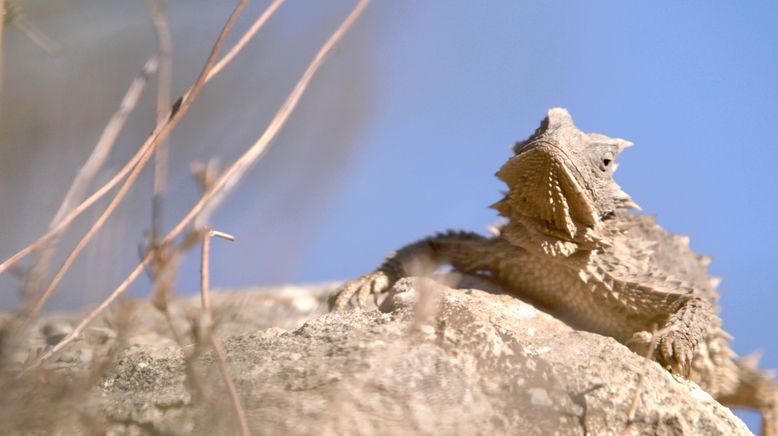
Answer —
570 247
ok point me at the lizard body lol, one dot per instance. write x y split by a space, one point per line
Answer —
571 247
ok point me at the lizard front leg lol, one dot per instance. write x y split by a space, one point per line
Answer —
420 258
690 323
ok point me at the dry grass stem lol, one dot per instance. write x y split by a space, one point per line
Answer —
105 144
205 275
222 235
177 335
222 358
104 189
221 355
20 21
164 84
183 107
642 379
205 280
232 175
81 183
248 36
162 292
90 318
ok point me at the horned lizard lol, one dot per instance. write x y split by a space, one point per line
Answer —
571 247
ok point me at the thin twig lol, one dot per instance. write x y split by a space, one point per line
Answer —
249 157
106 142
642 377
160 273
78 210
205 275
177 336
258 24
222 187
205 285
222 235
20 21
164 83
182 109
222 357
205 278
85 177
104 189
91 317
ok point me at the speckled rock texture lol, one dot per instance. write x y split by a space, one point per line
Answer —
434 360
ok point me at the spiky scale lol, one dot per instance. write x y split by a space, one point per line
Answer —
705 261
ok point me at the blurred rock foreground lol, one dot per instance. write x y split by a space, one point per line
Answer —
434 360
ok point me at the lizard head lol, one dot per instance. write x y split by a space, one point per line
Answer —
561 187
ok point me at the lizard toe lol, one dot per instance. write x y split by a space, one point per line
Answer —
363 292
357 293
676 353
343 295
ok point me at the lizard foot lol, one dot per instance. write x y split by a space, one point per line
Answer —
675 351
356 293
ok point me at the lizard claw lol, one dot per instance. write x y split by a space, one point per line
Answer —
675 351
357 292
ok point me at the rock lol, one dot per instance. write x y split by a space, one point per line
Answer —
437 361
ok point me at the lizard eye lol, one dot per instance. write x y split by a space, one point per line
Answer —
606 161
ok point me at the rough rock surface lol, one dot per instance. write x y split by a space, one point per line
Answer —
435 360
